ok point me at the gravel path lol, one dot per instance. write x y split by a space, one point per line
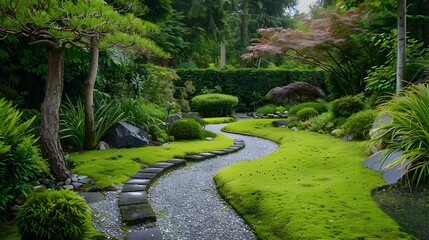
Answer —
187 203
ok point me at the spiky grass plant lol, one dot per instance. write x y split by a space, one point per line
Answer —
407 131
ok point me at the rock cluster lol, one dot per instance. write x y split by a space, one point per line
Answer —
278 114
75 182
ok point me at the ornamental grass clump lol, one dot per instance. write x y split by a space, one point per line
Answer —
56 215
407 132
215 105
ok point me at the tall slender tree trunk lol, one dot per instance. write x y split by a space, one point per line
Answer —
222 54
244 35
401 48
89 142
49 132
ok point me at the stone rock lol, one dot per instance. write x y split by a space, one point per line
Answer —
347 138
70 187
143 175
91 197
60 184
172 118
77 185
177 162
152 170
82 177
74 178
130 198
294 129
134 188
138 181
380 160
46 181
151 234
136 214
125 135
102 145
87 181
280 123
194 158
67 181
39 188
209 139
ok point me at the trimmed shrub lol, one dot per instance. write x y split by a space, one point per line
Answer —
186 128
306 113
20 160
346 106
320 107
54 215
215 104
359 124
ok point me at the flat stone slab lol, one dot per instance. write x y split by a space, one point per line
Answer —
164 165
177 161
134 188
138 181
219 152
195 158
152 170
138 213
378 161
151 234
143 175
92 197
208 155
129 198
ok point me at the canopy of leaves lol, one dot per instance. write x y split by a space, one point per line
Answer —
296 91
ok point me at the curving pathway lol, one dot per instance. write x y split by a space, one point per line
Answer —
187 203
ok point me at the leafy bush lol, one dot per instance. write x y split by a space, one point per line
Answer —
266 109
54 215
346 106
141 112
72 120
322 122
339 121
186 128
320 107
410 123
306 113
20 160
359 124
215 105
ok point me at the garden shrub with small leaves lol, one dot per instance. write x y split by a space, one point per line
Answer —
215 105
359 124
56 215
306 113
186 128
266 109
322 122
20 159
320 107
346 106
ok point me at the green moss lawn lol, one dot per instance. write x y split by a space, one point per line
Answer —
115 166
313 187
219 120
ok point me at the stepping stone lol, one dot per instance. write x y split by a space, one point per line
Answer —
237 146
152 170
177 161
129 198
151 234
164 165
138 213
195 158
134 188
144 175
208 155
138 181
92 197
219 152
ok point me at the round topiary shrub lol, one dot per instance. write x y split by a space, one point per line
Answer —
359 124
319 106
214 105
306 113
54 215
346 106
185 128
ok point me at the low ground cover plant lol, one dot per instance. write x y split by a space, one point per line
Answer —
321 107
313 187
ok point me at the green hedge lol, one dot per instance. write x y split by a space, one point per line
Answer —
244 82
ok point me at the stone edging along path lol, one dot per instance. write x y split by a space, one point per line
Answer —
133 202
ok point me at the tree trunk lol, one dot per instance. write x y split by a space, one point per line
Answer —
49 130
88 100
401 48
244 35
222 54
